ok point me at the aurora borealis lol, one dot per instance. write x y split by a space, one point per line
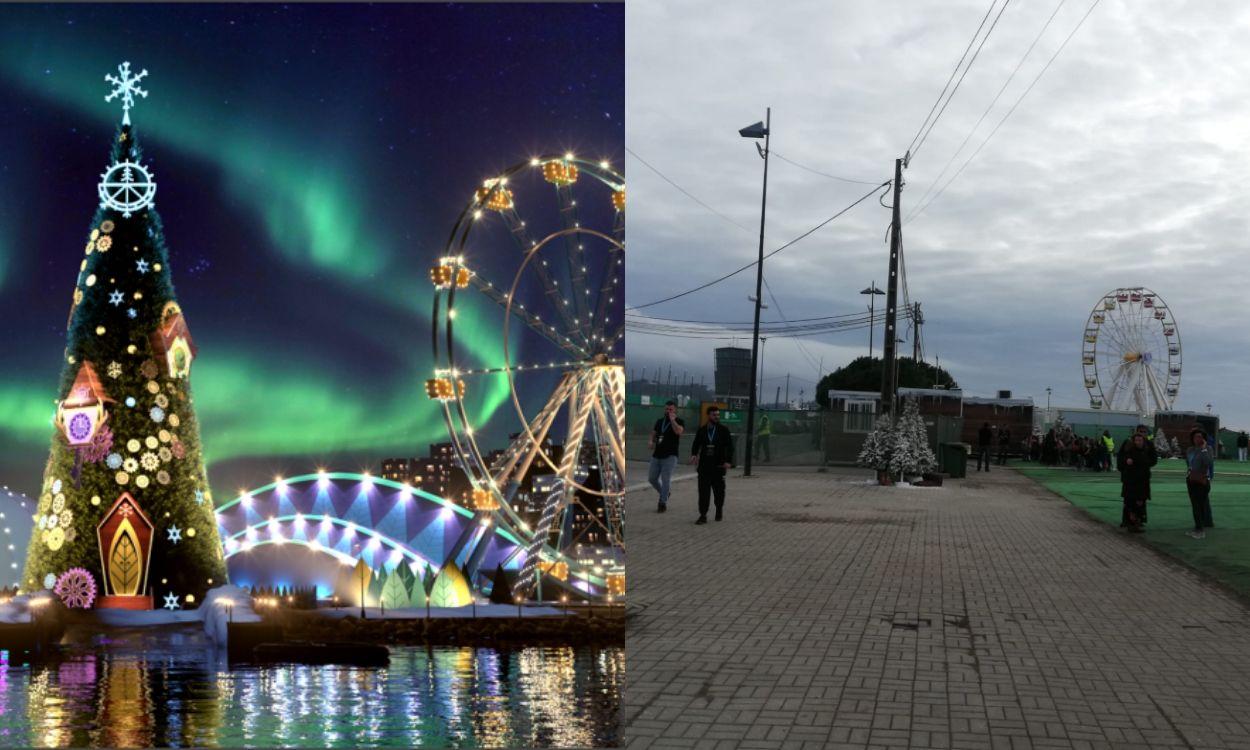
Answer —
310 162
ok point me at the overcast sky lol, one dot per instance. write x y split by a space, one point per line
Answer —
1124 166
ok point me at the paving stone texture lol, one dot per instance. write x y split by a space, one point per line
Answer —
827 613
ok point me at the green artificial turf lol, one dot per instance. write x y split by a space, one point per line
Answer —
1224 554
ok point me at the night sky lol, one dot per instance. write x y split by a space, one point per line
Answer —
310 161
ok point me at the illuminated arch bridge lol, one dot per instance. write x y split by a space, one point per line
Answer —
357 516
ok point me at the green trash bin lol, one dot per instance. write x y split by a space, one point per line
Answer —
954 459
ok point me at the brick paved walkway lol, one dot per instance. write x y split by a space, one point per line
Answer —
985 614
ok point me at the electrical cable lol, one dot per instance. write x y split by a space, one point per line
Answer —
984 39
731 274
817 171
955 176
984 114
685 192
952 76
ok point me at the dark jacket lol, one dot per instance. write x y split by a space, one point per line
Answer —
714 453
1135 479
1243 441
985 437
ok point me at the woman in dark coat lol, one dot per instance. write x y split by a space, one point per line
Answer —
1135 481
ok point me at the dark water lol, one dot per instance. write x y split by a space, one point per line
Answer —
170 688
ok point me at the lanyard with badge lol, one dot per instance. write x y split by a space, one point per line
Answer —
710 448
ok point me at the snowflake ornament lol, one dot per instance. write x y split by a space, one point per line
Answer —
157 414
115 298
132 313
175 534
126 187
76 588
126 86
114 461
171 601
49 581
141 265
114 370
56 485
199 497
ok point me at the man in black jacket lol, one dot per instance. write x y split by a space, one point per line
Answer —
713 451
985 439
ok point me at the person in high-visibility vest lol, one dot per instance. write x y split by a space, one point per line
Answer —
1110 444
763 438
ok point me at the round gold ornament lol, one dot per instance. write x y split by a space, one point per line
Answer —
107 226
130 465
99 330
90 249
56 539
67 518
95 233
150 442
191 532
149 462
58 504
91 280
165 454
70 535
162 476
95 499
131 349
162 401
156 266
163 435
173 420
141 481
104 243
77 296
133 445
122 477
148 368
153 388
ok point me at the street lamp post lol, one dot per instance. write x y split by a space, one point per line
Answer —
757 131
872 291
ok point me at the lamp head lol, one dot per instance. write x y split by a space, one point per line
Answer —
754 131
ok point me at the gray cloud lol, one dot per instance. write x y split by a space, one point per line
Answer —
1124 166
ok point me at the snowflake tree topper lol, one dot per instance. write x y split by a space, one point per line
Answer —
126 86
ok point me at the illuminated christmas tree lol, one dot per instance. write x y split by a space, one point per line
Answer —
125 495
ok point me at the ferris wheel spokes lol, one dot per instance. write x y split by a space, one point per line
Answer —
534 322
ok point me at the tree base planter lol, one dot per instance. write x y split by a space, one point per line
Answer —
883 479
124 602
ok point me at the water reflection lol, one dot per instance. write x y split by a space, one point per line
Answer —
143 689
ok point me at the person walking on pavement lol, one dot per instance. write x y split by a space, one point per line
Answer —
1004 445
1243 441
712 451
1135 462
985 438
665 437
1198 482
763 439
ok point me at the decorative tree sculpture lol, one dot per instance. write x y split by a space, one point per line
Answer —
126 427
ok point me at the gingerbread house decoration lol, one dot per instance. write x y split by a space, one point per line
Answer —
125 537
81 413
172 341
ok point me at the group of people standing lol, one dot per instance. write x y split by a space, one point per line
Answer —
711 453
1079 452
1135 459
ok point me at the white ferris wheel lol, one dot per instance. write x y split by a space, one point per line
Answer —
1131 352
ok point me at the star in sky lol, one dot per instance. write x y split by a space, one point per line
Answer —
115 298
175 534
142 265
171 601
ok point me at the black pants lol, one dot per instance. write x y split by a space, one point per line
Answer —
1200 501
711 482
983 454
1002 455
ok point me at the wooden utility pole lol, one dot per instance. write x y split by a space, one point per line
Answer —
889 381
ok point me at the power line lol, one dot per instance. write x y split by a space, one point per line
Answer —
731 274
639 316
802 349
984 114
1046 67
952 76
817 171
685 192
976 54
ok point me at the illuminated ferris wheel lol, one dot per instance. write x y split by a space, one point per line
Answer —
551 230
1131 352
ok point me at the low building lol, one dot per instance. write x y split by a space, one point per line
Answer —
1013 414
